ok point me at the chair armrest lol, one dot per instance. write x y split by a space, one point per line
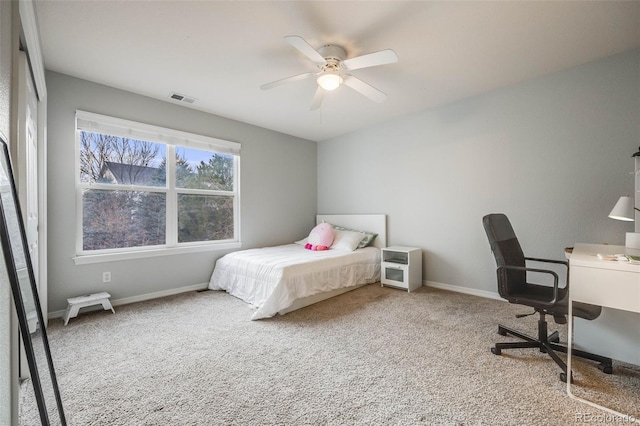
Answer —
559 262
553 301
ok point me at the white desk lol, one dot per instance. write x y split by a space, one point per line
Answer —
605 283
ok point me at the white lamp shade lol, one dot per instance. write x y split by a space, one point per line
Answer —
329 81
623 210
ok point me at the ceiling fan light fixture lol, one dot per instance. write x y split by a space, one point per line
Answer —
329 81
333 69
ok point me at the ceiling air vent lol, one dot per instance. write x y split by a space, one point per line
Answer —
182 98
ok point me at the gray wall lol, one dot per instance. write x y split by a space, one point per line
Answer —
553 153
278 191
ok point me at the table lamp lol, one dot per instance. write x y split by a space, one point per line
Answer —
624 210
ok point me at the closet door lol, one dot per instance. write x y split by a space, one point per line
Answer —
27 159
25 163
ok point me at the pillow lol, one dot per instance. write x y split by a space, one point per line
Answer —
346 240
320 238
366 241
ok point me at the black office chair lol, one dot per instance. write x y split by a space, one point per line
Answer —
544 299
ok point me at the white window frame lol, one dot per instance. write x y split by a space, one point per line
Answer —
97 123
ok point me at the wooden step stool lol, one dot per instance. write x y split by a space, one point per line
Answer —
75 303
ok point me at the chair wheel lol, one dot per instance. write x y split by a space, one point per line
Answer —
606 368
496 351
563 377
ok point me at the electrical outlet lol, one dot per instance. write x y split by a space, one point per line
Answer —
106 277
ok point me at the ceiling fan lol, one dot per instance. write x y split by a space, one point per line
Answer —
334 66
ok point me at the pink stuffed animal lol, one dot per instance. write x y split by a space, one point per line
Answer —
320 237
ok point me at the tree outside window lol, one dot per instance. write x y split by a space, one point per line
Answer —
130 198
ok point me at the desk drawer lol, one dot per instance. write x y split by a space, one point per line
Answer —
605 287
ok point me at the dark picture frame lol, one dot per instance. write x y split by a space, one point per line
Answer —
25 296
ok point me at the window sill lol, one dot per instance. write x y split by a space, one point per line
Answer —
145 254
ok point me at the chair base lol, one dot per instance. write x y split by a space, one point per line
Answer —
548 343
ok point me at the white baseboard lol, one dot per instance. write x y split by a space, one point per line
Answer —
203 286
143 297
466 290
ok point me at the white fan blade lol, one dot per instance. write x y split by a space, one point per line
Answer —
364 88
382 57
286 80
306 49
317 98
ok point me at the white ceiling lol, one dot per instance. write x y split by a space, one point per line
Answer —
220 52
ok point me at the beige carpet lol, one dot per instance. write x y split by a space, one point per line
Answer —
373 356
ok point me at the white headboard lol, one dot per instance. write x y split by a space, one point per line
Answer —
363 222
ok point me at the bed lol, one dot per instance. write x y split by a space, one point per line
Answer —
281 279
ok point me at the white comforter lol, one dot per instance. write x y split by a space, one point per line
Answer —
272 278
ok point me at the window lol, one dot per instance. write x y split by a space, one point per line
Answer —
131 198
